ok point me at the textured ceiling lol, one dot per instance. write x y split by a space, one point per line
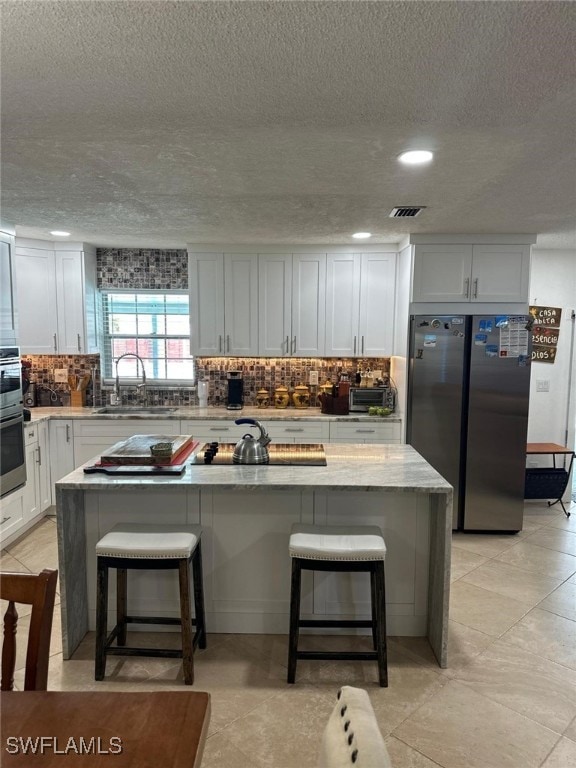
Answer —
162 123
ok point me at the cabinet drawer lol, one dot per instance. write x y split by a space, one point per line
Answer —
365 431
117 430
298 430
222 430
11 514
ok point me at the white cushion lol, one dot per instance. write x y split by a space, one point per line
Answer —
352 738
154 541
337 542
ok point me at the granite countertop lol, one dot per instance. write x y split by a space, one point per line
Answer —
212 414
391 468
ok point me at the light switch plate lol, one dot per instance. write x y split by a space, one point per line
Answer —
313 377
542 385
60 375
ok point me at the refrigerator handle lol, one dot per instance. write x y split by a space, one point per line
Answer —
467 287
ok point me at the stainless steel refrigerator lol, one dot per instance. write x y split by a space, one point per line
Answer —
468 391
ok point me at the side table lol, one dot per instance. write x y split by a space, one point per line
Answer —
548 482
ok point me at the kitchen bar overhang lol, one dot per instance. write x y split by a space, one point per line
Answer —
246 513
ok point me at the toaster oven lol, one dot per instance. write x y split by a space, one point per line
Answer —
362 398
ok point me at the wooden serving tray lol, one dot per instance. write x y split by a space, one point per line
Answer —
136 450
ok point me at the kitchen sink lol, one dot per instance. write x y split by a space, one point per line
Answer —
137 409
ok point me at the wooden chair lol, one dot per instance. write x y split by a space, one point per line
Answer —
38 591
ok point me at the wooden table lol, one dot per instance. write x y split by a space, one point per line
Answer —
115 729
544 484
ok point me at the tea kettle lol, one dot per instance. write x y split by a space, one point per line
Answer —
251 450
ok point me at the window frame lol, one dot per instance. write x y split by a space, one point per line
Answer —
109 375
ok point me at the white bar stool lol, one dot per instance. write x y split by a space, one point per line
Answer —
339 548
149 547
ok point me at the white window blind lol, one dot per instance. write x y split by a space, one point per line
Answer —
153 324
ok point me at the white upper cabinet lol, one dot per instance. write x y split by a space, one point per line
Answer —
471 273
291 304
56 301
500 273
36 301
360 304
7 290
224 303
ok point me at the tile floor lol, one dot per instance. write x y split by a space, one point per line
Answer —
508 699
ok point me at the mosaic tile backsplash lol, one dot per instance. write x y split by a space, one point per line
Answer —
148 269
258 373
49 393
268 373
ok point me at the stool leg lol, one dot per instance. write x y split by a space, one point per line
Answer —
199 595
101 619
121 602
373 602
294 619
380 609
186 620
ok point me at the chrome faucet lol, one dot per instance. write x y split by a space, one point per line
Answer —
139 387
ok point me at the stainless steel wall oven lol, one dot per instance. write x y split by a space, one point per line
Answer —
12 457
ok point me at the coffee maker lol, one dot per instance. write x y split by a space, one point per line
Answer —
235 399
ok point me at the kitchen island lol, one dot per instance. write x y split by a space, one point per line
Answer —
246 513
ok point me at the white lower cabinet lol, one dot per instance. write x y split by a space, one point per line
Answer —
94 436
25 506
11 516
61 451
44 486
31 489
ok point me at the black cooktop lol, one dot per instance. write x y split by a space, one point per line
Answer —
281 455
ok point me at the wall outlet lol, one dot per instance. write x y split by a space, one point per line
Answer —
61 375
313 377
542 385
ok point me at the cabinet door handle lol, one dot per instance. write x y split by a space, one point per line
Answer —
287 346
475 295
55 345
362 344
67 433
294 343
79 346
369 431
227 343
219 343
38 457
467 287
354 344
293 429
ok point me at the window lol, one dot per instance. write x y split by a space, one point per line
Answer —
153 324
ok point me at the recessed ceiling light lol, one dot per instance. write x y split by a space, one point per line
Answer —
362 235
416 157
60 233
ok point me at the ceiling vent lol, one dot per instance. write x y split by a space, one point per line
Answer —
406 211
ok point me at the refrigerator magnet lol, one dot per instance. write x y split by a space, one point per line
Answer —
480 339
501 321
429 340
491 350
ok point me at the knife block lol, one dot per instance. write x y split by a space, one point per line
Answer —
78 398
